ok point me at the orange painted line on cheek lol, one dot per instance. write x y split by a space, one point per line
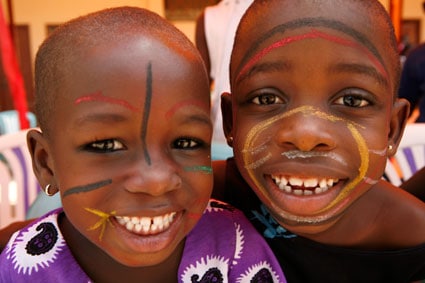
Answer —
311 35
98 96
176 107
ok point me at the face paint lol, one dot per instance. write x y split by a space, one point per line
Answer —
262 147
98 96
104 220
293 154
200 168
86 188
341 199
258 162
360 42
146 112
311 35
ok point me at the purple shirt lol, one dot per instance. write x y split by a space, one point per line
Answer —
223 247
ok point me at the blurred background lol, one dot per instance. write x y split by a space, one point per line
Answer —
30 21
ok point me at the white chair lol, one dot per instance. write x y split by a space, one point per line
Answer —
18 185
410 156
9 121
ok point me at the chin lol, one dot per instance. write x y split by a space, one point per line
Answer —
304 225
145 260
307 228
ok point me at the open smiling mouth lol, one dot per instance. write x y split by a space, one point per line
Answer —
304 186
146 225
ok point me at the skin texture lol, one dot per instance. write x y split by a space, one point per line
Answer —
129 137
313 99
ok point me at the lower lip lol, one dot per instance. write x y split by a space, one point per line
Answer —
150 243
303 205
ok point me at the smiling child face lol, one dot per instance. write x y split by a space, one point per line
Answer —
312 101
130 148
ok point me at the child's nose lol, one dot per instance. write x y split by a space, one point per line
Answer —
306 132
155 178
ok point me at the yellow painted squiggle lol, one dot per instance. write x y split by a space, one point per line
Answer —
104 220
248 158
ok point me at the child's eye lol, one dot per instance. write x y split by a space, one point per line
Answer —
266 99
352 101
108 145
186 143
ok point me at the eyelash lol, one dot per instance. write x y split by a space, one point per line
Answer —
108 145
112 145
356 99
349 100
187 144
266 99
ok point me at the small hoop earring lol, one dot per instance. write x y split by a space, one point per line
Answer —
230 140
47 190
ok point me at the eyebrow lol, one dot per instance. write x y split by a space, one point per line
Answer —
339 67
100 118
265 67
359 69
187 103
250 57
198 118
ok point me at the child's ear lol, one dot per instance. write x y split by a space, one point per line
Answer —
226 110
398 121
41 163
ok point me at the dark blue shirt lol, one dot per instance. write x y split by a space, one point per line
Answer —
412 83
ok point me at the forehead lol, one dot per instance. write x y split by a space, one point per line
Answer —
114 65
279 19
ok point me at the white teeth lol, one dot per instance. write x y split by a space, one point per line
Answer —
312 185
295 181
146 225
138 227
129 225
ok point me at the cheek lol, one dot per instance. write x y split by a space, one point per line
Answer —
77 214
378 155
201 184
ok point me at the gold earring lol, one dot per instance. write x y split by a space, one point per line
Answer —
47 190
230 140
390 148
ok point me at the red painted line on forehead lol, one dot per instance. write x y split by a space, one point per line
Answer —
312 35
98 96
191 102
